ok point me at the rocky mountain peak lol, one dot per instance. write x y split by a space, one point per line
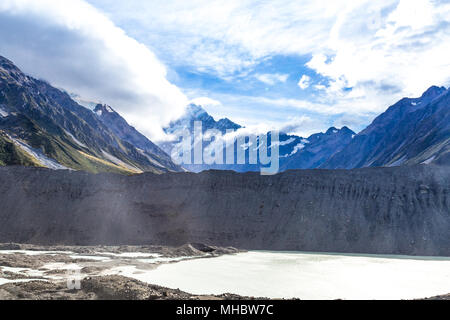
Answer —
197 113
194 111
228 124
103 109
412 131
10 72
47 126
7 64
433 92
332 130
343 130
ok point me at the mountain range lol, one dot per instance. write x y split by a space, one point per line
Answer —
412 131
43 126
295 152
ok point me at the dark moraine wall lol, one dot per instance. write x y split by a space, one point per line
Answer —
403 210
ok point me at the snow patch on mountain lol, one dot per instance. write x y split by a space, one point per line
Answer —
430 160
3 113
398 162
154 161
38 155
117 161
75 139
283 143
288 141
296 149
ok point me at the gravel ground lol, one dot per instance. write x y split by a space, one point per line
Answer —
32 272
100 288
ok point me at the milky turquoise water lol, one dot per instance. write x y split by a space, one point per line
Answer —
277 274
307 276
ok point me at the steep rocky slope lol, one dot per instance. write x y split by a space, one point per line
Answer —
316 149
402 210
412 131
117 124
11 154
55 131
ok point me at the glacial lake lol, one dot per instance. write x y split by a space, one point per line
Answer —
306 275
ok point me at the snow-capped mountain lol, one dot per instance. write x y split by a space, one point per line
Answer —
295 152
117 124
197 113
315 150
42 126
412 131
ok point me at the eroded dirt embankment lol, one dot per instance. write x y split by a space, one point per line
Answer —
403 210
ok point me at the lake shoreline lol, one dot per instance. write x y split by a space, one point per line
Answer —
33 272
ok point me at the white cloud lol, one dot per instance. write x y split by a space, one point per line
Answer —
206 102
304 82
226 36
318 107
272 78
320 87
299 116
384 50
74 46
302 126
403 56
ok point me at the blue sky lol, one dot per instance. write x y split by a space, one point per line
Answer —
276 77
297 65
252 91
249 56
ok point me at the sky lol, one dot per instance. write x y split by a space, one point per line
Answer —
301 66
